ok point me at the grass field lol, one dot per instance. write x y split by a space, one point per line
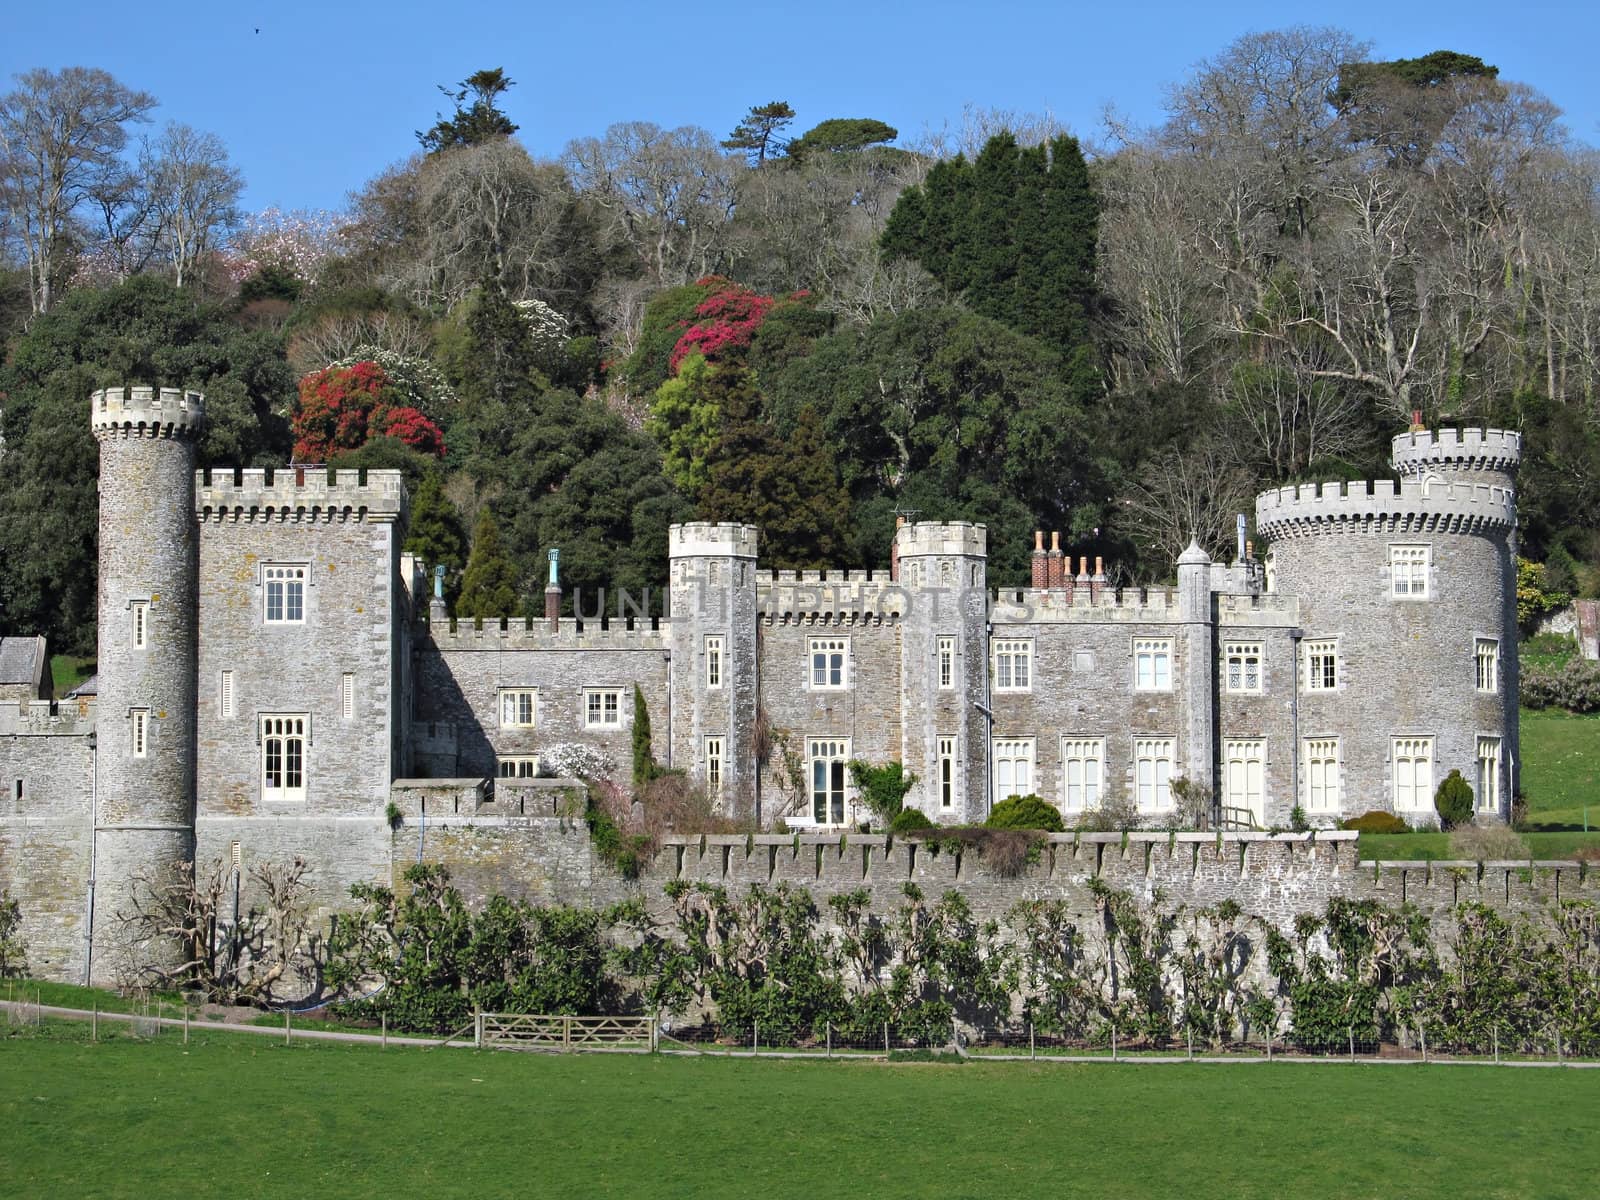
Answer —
67 672
227 1116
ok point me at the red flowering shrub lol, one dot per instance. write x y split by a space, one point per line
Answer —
725 323
342 408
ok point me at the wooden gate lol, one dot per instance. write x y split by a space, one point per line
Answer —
527 1031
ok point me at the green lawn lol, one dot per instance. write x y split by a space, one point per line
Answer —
1560 769
242 1117
67 672
1431 846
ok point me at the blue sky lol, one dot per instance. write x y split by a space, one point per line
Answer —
326 95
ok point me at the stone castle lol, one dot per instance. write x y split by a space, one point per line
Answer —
276 679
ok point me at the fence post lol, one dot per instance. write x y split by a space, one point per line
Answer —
186 1022
655 1035
1560 1056
1350 1032
566 1035
1033 1051
755 1037
1113 1043
286 1027
1271 1037
477 1028
886 1039
830 1038
384 1044
94 1022
1496 1031
1190 1032
1422 1032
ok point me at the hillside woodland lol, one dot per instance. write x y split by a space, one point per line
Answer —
816 324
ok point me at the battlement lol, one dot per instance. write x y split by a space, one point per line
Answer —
47 718
1422 450
1086 606
842 596
948 538
146 412
717 540
1409 507
299 494
506 634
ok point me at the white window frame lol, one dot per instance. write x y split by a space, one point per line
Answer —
828 781
1153 762
1487 653
828 664
516 766
595 708
227 701
285 744
1013 760
139 617
948 774
946 657
1152 664
714 646
1491 755
1323 775
1013 665
347 696
715 765
1247 656
290 582
518 708
1321 659
1244 775
1410 565
139 732
1083 772
1411 773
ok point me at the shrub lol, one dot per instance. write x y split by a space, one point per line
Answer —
1116 813
882 789
908 819
1481 843
1377 821
1574 686
1453 801
1025 812
13 961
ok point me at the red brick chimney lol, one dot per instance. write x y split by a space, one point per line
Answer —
1055 573
1041 561
1097 580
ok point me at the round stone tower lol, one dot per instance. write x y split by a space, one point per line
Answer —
1407 621
145 730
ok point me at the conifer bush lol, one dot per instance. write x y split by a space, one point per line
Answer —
1453 801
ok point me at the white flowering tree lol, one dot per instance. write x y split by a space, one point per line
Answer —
299 241
425 388
549 330
573 760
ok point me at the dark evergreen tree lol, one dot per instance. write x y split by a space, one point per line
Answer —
479 122
489 584
644 757
435 534
841 135
787 487
760 134
1012 232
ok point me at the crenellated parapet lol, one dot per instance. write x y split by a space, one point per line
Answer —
47 718
839 597
300 494
937 539
146 412
520 634
1406 508
1457 451
722 539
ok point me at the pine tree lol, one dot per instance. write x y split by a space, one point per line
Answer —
788 487
435 535
759 135
489 585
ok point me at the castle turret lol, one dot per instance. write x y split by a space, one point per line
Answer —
714 692
1408 605
144 809
944 668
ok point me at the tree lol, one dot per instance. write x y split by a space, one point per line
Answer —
1403 105
1453 801
342 408
841 135
787 487
1013 232
60 134
435 534
490 583
194 195
759 135
481 122
644 757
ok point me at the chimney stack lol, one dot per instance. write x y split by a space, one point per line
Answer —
1041 570
1055 573
1416 421
552 593
1097 580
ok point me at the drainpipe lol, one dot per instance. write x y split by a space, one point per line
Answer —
1294 717
94 825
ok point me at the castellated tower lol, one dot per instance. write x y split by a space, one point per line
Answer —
944 668
1407 600
145 791
715 681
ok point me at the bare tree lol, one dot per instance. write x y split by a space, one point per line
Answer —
1179 496
1283 418
180 928
669 193
59 134
194 195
